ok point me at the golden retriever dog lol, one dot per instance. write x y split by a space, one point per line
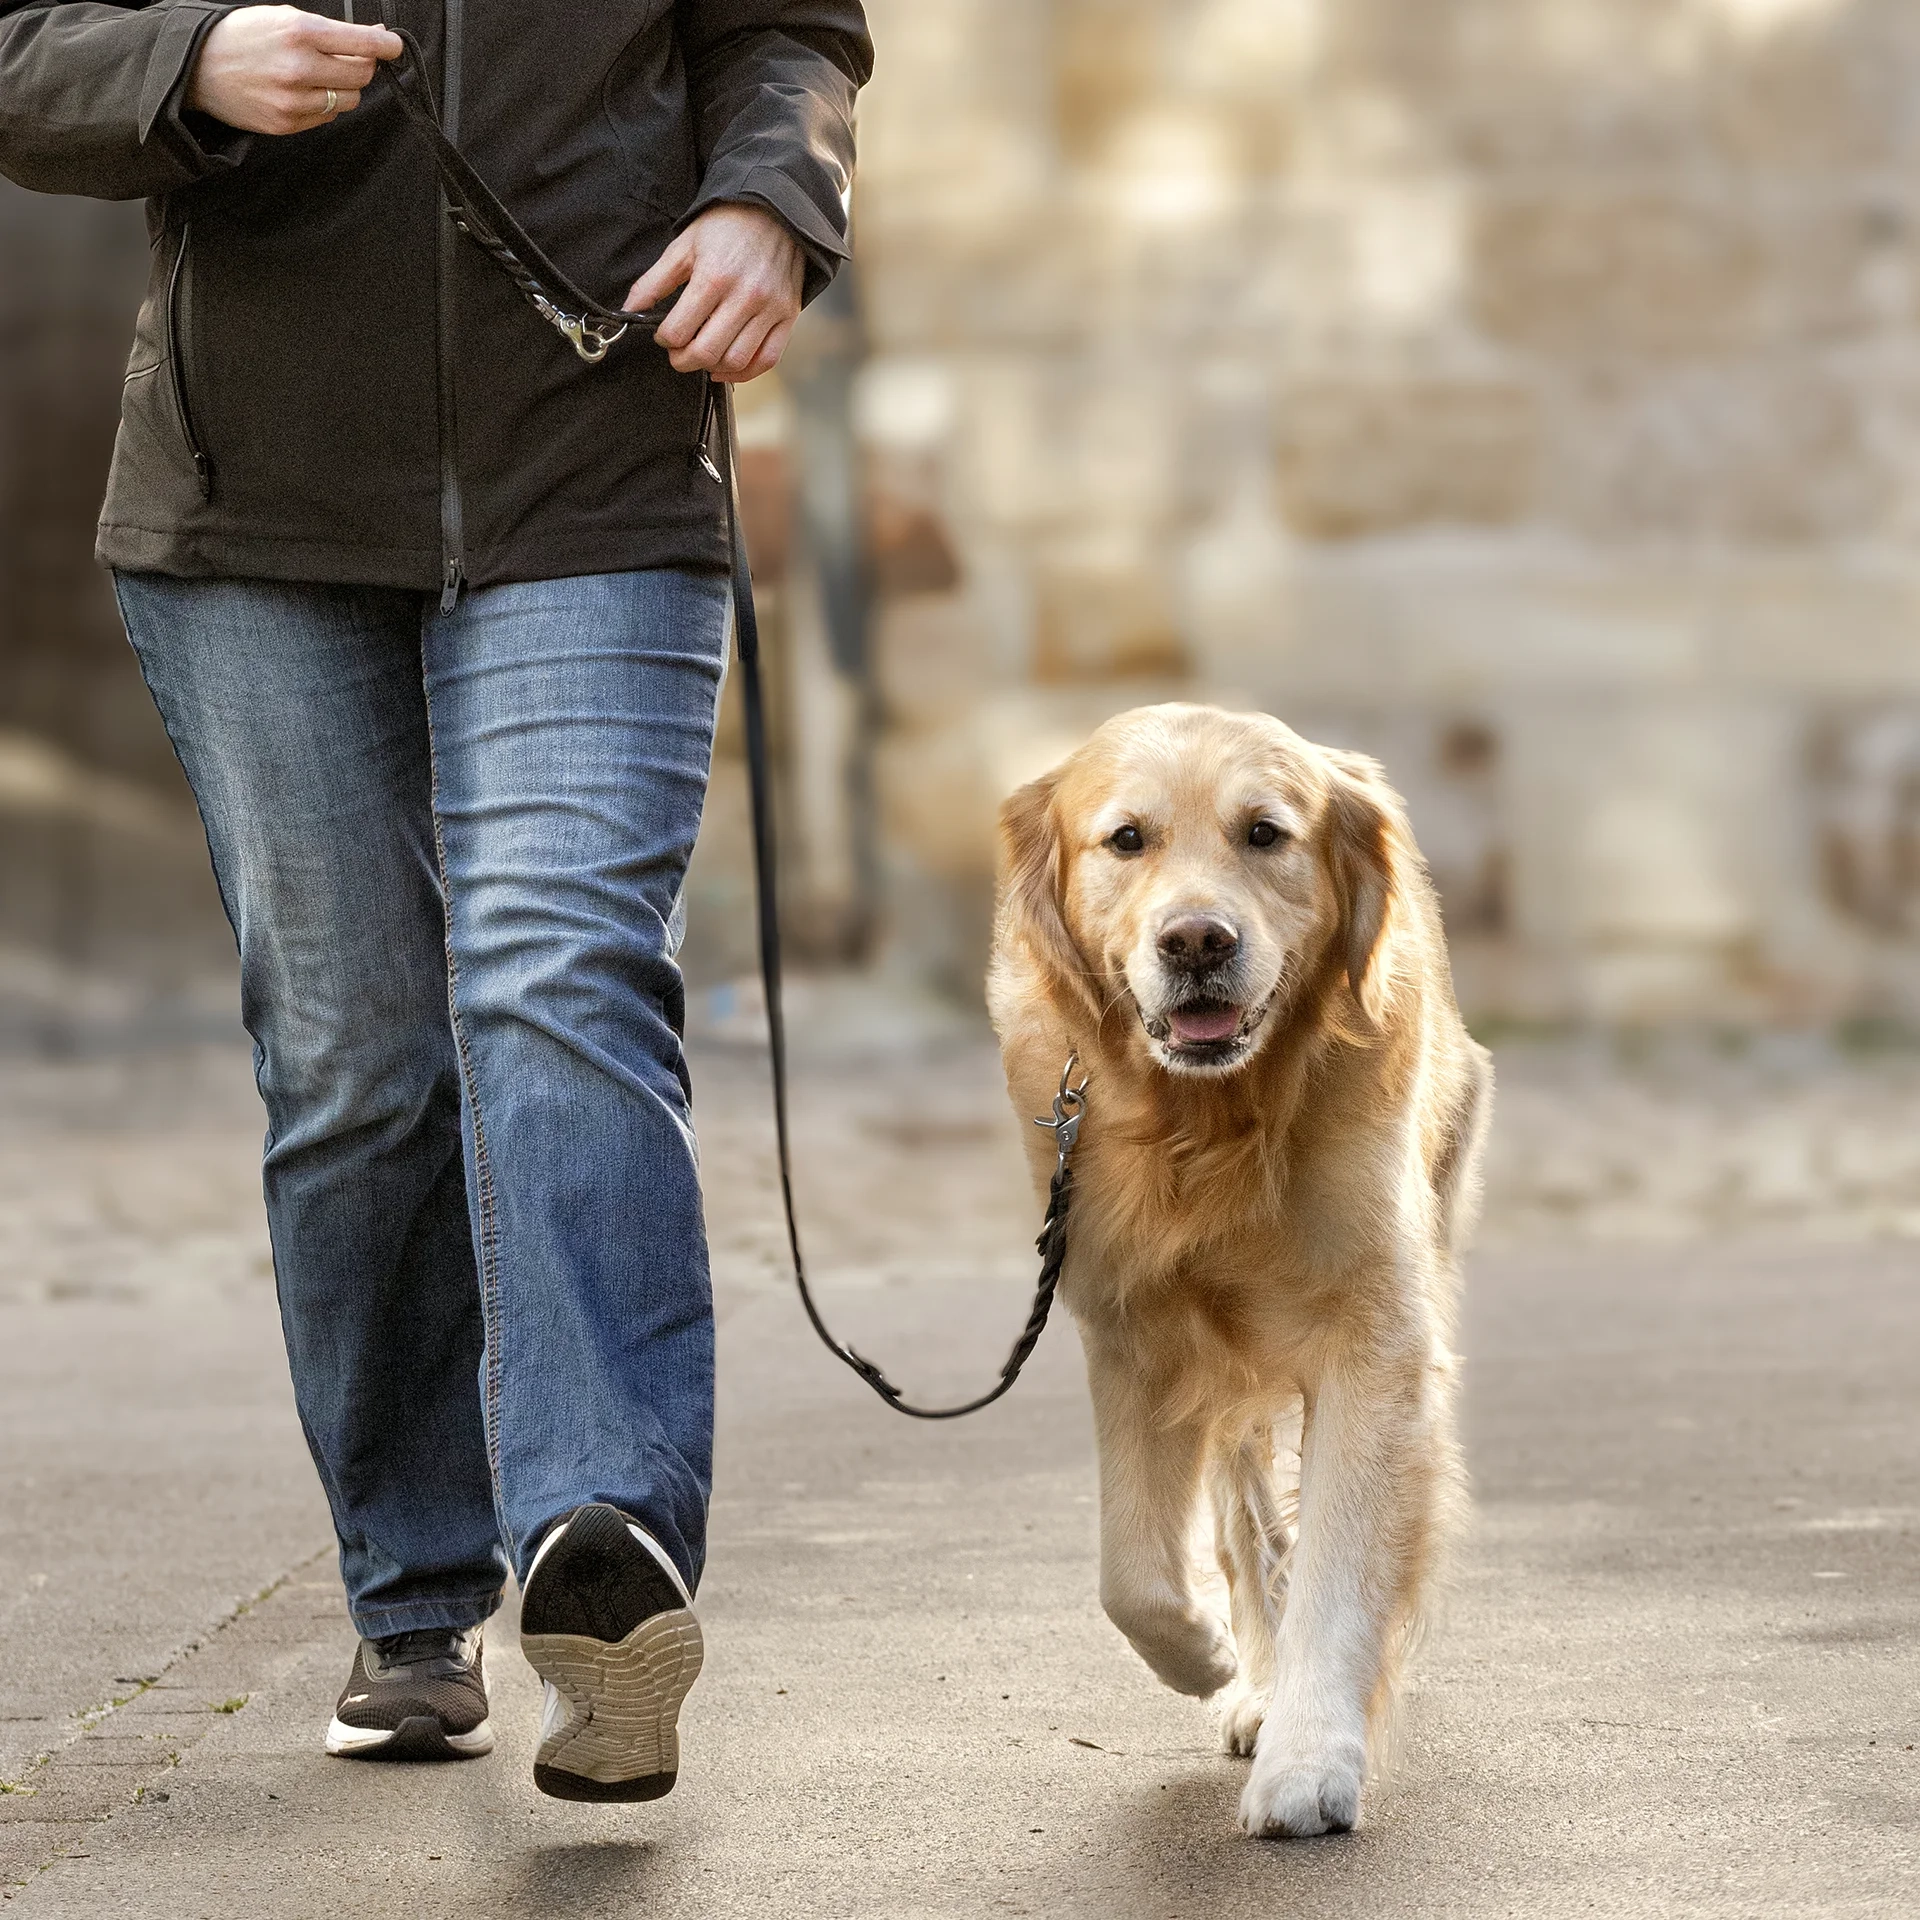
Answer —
1233 930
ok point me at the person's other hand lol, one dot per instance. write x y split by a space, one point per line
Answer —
270 69
742 271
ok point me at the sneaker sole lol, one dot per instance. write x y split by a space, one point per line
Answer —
621 1739
610 1730
421 1737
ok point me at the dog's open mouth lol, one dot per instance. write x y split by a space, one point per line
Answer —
1204 1025
1205 1033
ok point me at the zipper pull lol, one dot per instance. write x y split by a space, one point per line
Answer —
456 578
203 472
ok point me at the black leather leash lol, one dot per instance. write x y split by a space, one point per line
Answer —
479 213
592 330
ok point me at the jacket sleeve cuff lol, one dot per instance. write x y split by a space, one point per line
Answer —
820 235
205 144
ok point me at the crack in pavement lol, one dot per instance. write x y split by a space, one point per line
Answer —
114 1753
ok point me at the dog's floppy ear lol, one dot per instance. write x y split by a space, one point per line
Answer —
1030 885
1370 845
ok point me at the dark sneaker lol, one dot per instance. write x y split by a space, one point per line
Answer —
607 1622
414 1696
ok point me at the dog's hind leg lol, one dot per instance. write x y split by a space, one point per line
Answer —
1253 1537
1150 1466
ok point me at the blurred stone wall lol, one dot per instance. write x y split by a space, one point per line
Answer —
108 917
1527 391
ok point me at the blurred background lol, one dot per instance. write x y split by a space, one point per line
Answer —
1525 391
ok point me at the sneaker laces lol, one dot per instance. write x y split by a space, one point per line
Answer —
420 1643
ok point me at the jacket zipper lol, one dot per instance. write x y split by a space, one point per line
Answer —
453 567
176 352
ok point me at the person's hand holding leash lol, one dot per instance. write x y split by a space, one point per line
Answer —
279 70
742 271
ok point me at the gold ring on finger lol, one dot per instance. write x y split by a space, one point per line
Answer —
333 103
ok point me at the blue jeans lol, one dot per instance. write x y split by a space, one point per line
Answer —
452 848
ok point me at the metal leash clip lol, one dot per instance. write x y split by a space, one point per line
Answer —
590 338
1069 1109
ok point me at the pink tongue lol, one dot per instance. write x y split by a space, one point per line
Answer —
1193 1025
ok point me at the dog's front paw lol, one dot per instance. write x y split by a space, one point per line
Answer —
1188 1648
1198 1659
1241 1713
1293 1795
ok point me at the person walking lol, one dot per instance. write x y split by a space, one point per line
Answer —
435 614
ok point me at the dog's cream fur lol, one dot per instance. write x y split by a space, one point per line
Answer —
1266 1225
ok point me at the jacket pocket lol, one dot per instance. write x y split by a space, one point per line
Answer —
179 309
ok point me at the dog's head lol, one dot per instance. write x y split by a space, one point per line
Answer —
1210 869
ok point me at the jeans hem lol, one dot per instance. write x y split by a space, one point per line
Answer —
455 1614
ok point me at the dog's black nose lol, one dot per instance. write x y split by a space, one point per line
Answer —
1197 941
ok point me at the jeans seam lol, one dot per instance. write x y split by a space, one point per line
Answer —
483 1165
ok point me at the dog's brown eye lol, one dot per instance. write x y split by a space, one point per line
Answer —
1127 840
1263 833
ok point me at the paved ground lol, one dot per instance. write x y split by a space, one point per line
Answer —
1680 1672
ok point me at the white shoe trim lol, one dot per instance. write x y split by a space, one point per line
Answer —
346 1740
342 1738
639 1532
546 1547
665 1559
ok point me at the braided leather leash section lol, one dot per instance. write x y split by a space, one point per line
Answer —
479 213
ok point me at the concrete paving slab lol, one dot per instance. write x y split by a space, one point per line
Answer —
26 1849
